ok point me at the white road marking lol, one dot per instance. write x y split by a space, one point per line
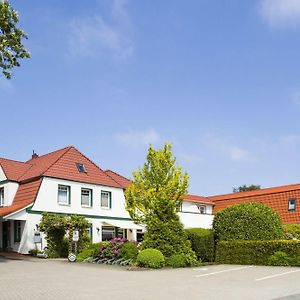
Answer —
229 270
200 269
276 275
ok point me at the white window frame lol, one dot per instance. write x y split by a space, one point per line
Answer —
1 196
68 190
90 194
200 207
292 207
109 204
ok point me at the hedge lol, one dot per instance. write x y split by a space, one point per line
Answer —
254 252
247 221
150 258
202 242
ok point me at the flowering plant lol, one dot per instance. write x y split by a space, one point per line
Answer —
111 249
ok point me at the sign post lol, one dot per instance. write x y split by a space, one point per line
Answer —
75 239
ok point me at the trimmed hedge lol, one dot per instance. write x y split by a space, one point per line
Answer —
247 221
91 251
202 241
129 250
254 252
150 258
292 231
176 261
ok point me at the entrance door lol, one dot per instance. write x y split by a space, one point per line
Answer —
6 235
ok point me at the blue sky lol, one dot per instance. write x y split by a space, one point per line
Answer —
220 80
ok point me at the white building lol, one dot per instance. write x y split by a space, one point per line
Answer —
67 182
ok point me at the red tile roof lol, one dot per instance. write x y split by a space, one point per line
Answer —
12 169
121 180
275 197
200 199
59 164
26 195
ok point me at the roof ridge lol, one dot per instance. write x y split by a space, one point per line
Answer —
40 156
18 161
67 149
263 191
117 174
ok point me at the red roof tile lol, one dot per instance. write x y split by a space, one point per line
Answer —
26 195
200 199
12 169
121 180
276 198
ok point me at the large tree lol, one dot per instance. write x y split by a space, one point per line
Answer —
154 197
245 188
11 47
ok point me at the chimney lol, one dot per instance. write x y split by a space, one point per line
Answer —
34 155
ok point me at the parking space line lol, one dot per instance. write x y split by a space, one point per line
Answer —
276 275
224 271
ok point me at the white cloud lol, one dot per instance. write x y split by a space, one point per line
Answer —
225 146
95 36
280 13
136 139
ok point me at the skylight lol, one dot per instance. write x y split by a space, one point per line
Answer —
81 168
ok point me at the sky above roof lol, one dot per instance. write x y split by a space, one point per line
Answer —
220 80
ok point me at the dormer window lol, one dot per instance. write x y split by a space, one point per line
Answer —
292 204
1 196
81 167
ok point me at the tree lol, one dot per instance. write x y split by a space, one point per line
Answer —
11 47
154 197
245 188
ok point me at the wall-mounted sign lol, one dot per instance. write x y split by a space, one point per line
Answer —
75 236
37 237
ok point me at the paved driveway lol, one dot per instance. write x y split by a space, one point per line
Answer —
52 279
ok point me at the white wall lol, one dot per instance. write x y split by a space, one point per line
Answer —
10 189
191 217
48 193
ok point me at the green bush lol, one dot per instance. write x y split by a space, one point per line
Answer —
279 258
176 261
129 250
150 258
202 242
247 221
255 252
91 251
292 231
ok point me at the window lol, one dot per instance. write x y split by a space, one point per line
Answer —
108 233
86 197
105 199
1 196
63 195
81 168
139 235
17 231
202 209
292 204
121 233
90 233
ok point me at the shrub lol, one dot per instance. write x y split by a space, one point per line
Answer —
176 261
91 251
247 221
151 258
292 231
33 252
255 252
112 248
279 258
202 242
129 250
